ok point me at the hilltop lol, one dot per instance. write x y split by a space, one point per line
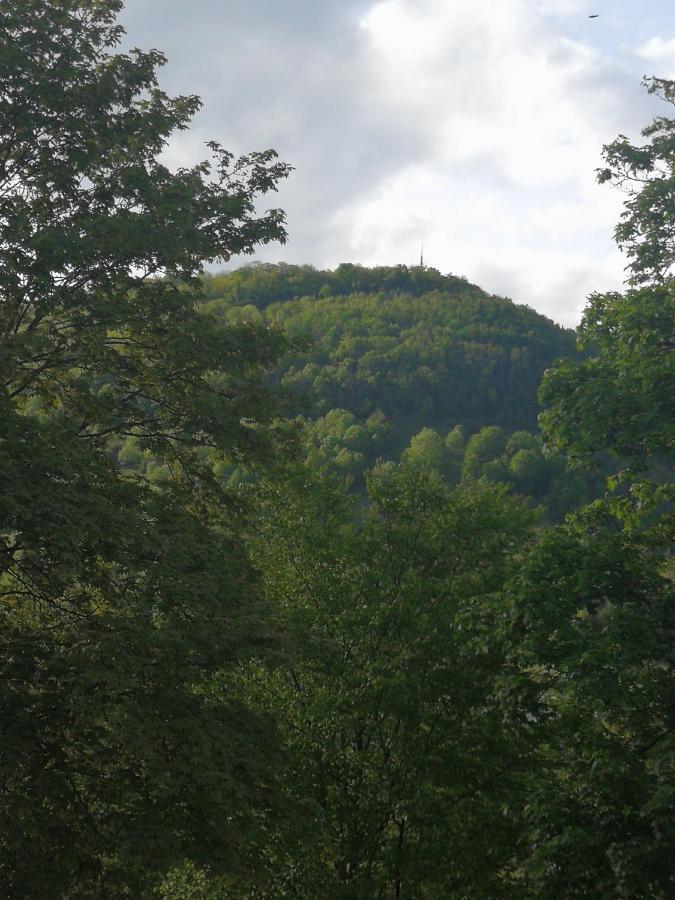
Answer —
420 348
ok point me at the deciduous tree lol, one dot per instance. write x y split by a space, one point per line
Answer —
593 602
120 600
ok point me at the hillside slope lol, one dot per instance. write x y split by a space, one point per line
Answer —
422 348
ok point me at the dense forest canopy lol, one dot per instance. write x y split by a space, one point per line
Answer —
422 348
226 673
405 363
263 283
121 600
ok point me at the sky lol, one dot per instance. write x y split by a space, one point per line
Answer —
473 127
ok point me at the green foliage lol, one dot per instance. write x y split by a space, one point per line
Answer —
646 231
592 638
415 349
260 284
522 463
118 606
337 439
399 755
483 448
188 882
295 689
121 597
425 350
621 398
592 605
426 449
455 442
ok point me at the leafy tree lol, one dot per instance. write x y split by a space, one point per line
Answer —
646 231
621 397
592 645
455 442
427 449
484 447
592 605
399 753
522 440
121 599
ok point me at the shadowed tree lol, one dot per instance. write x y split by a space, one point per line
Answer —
119 599
593 604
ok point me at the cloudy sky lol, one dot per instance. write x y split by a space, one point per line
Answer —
472 126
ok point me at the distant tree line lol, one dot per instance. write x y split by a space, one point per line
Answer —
260 284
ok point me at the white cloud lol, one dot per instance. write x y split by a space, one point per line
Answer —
512 117
488 81
471 125
662 52
550 254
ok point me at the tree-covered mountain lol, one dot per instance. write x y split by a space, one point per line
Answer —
419 348
404 363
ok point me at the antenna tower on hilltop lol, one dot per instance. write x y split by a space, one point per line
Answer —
422 257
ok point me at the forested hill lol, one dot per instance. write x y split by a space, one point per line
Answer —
422 348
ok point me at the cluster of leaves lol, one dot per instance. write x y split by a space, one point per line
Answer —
646 232
591 633
621 397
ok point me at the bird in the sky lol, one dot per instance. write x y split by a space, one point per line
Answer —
594 16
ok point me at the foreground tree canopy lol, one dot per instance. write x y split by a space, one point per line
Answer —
120 601
272 685
599 648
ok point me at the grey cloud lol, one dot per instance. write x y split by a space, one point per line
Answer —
299 76
289 75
